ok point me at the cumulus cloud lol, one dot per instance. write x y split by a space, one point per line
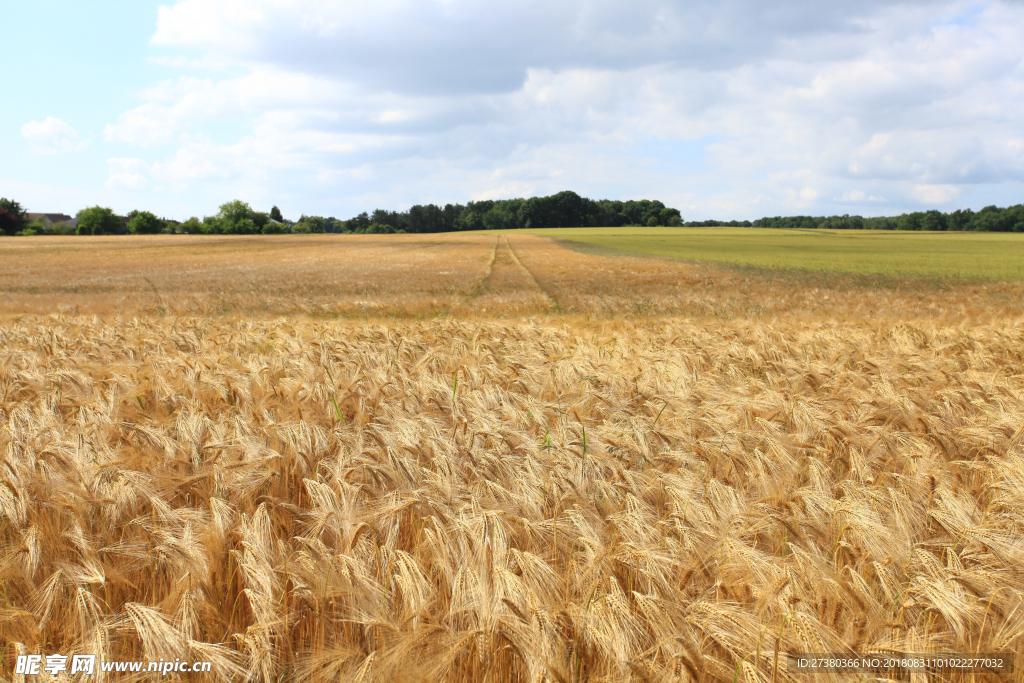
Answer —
729 108
937 194
127 173
458 46
147 124
52 135
858 196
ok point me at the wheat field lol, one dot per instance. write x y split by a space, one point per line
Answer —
573 466
981 255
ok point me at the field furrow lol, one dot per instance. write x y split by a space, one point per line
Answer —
413 276
508 289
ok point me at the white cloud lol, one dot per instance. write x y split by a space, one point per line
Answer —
731 108
127 173
206 62
52 135
175 106
197 160
147 124
858 196
936 194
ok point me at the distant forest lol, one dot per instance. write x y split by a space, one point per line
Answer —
569 210
989 219
562 210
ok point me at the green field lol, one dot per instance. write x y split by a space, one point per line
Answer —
987 255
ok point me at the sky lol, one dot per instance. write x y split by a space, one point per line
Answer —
727 109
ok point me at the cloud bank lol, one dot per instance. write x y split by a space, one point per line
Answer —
51 136
725 109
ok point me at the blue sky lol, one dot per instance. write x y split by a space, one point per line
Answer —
723 108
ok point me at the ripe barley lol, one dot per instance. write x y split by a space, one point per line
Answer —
304 499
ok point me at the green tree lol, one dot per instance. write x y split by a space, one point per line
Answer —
358 224
275 213
563 210
12 217
211 225
236 218
429 218
933 220
145 223
260 220
97 220
670 216
881 223
501 217
652 209
35 227
1015 216
309 224
62 228
469 220
961 219
910 221
191 227
994 219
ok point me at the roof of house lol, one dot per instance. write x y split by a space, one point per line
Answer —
51 217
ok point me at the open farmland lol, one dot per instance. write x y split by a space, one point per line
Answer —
246 275
465 274
987 256
495 458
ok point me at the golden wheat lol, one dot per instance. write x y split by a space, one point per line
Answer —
465 275
485 500
260 275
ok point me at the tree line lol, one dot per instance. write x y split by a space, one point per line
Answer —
565 210
95 220
989 219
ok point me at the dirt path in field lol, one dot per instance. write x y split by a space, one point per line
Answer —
508 288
